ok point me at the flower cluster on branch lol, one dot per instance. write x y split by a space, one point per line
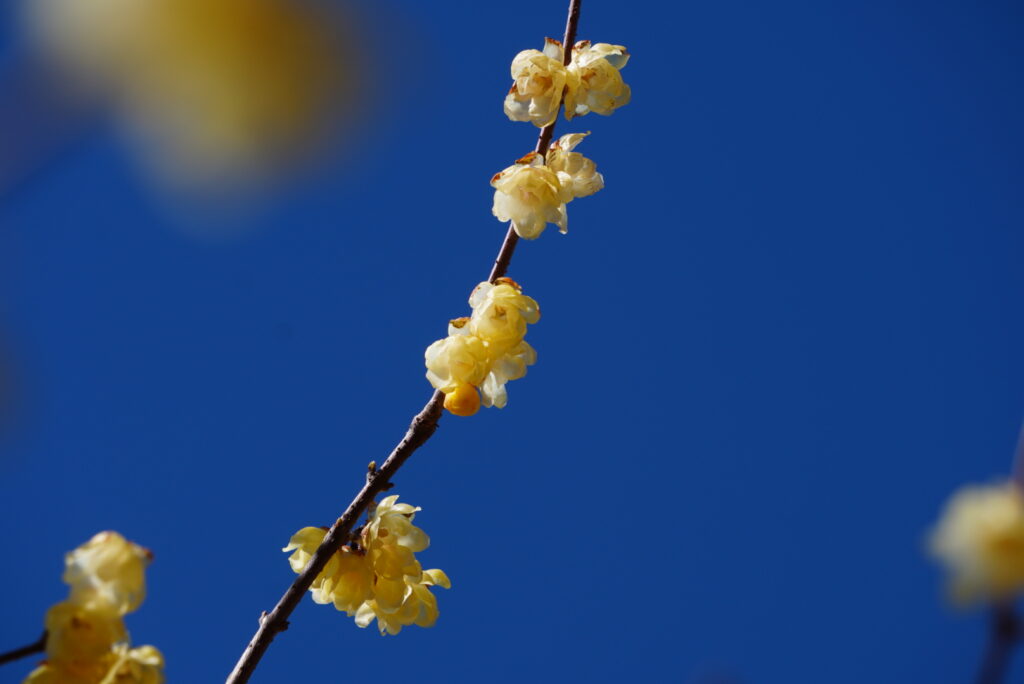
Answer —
533 192
591 82
86 640
377 576
485 350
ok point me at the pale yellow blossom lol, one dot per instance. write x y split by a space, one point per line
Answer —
509 366
142 665
418 606
458 359
598 85
346 580
388 581
86 641
501 313
539 80
530 195
392 522
49 673
980 539
574 171
495 331
78 637
107 570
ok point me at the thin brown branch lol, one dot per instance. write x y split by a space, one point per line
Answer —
420 430
1004 635
38 646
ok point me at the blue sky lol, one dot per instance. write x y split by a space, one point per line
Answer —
787 329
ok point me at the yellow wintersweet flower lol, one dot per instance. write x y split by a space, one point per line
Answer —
108 570
509 366
458 359
346 581
391 522
79 636
418 606
486 350
530 195
391 541
594 71
574 171
382 579
980 539
464 400
47 673
216 90
142 665
539 80
86 641
500 313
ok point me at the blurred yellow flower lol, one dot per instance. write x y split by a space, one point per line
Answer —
980 539
78 637
86 641
108 570
216 90
142 665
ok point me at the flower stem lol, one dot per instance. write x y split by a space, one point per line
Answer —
420 430
38 646
1004 635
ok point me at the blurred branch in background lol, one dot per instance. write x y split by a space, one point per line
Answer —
38 646
1004 635
218 96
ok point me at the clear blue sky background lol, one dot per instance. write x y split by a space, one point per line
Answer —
784 333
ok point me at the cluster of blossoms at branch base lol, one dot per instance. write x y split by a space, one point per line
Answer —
533 192
86 641
591 82
980 539
485 350
379 576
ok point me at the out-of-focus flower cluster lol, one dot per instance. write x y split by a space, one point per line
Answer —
485 350
980 540
86 641
534 191
215 90
590 83
378 577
